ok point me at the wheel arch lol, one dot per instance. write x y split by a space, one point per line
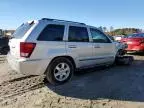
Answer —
65 56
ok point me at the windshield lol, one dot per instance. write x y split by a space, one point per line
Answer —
136 35
20 31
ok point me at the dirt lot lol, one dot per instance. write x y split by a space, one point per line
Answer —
115 87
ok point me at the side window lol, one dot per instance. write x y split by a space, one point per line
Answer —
99 37
78 34
52 33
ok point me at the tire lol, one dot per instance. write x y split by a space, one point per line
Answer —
52 72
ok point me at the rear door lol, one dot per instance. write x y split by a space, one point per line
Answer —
50 41
79 46
103 47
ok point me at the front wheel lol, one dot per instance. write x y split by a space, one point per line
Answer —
59 71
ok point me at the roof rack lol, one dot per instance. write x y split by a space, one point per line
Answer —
62 21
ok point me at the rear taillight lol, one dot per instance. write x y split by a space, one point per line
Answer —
26 49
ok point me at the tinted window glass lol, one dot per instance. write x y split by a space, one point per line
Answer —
136 35
52 33
20 31
99 37
78 34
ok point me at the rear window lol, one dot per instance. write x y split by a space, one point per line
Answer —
20 31
136 35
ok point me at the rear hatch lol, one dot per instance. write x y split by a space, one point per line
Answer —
18 37
14 47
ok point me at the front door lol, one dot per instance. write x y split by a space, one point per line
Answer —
103 48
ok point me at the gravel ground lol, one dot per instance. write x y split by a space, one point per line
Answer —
114 87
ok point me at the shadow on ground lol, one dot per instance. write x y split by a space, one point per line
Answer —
124 83
136 53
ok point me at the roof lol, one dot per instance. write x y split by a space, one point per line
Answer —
57 20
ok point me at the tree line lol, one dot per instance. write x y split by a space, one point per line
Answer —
122 31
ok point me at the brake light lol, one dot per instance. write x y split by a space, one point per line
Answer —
26 49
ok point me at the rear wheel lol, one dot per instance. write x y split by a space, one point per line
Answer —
59 71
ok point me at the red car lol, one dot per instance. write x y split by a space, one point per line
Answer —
135 42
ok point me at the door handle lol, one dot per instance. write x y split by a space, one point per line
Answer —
72 46
96 46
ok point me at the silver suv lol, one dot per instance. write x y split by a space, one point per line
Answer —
56 48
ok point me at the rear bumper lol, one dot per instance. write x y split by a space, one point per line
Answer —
28 67
135 48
